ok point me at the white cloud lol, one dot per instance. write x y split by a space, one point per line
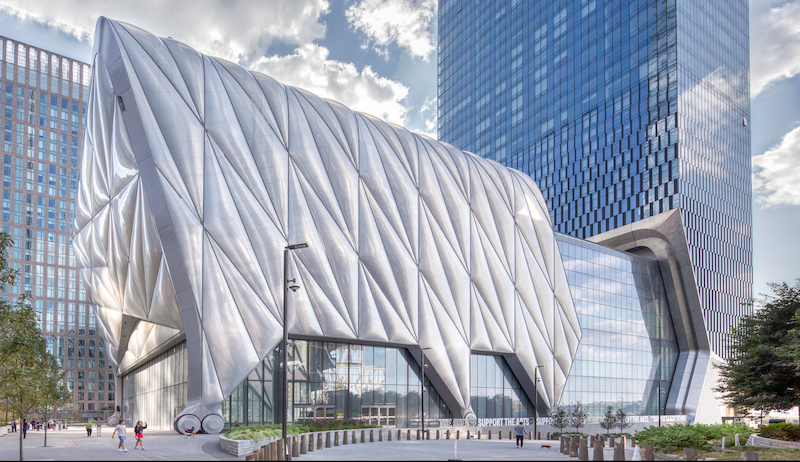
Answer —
428 112
309 68
405 22
238 31
776 173
774 44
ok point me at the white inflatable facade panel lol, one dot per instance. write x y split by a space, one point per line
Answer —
196 174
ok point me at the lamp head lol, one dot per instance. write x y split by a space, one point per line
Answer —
294 288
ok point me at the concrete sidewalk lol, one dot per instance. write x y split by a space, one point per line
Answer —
73 444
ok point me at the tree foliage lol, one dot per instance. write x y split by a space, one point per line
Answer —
29 374
763 372
622 421
578 417
609 420
559 417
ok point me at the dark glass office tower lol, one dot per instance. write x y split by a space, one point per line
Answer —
619 110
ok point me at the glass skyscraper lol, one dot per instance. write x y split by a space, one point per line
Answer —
43 116
619 110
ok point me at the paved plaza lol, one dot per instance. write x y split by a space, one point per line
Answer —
73 444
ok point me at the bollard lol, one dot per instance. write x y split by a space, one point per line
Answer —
500 434
490 434
624 441
408 435
469 435
583 449
303 448
353 440
418 434
336 438
389 436
479 434
598 450
573 446
647 452
448 434
327 439
530 436
380 435
281 456
437 434
345 438
539 436
619 451
736 439
564 446
689 454
458 434
295 448
510 436
611 441
548 436
723 444
399 435
363 436
251 456
372 436
273 450
311 444
319 441
749 456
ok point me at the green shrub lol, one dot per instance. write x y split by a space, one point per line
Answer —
781 431
673 438
260 432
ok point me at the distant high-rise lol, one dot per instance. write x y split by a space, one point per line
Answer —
44 112
619 110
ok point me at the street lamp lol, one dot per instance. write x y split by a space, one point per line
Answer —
535 399
660 391
285 348
422 390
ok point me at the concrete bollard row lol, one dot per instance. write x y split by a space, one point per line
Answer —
380 435
363 436
598 450
295 447
583 449
281 452
573 446
372 436
345 439
619 451
303 447
353 440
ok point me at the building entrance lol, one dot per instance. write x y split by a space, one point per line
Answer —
379 415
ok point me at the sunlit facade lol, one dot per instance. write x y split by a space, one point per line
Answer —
197 174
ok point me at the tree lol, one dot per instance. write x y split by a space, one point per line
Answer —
622 420
609 420
763 370
24 360
53 394
578 418
559 418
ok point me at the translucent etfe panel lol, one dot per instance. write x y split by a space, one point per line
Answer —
628 342
329 381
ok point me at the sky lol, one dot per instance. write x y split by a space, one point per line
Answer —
379 57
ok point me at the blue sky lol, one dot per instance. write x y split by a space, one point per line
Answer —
378 56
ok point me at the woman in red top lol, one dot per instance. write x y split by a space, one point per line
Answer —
137 430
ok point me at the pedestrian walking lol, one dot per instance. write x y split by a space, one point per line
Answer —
99 427
89 426
519 431
13 426
24 428
120 431
139 431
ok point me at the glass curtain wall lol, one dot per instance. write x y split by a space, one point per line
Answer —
495 391
330 380
628 341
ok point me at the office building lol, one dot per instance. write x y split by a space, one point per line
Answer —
619 110
43 119
198 174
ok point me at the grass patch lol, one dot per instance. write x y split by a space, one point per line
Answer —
260 432
735 453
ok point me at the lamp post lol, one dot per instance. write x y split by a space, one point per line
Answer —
659 401
422 367
285 348
535 399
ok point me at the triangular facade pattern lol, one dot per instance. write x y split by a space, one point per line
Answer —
197 173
